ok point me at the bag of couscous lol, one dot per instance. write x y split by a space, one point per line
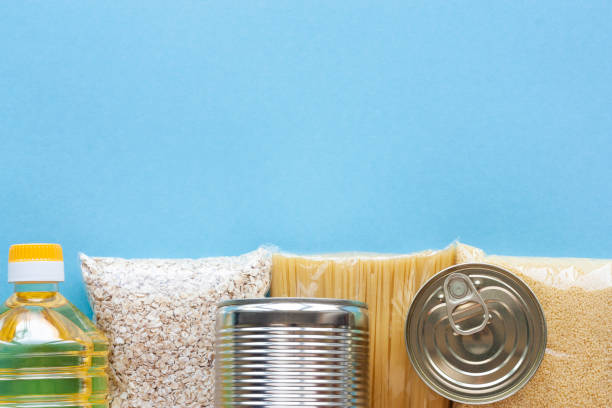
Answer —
576 295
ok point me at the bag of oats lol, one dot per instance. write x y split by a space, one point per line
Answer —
576 296
159 317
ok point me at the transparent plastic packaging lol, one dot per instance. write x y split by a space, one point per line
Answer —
51 355
576 295
159 316
387 283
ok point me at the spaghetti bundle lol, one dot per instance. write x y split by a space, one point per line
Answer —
387 283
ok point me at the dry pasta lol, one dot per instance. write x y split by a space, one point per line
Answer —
387 283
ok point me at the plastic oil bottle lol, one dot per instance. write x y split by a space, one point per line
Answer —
51 354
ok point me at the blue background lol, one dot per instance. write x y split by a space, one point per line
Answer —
197 128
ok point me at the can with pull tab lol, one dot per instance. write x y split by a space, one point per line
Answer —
475 333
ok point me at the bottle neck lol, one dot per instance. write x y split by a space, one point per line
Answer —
36 292
43 294
36 287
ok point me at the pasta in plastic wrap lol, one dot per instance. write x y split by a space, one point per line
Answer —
576 295
387 283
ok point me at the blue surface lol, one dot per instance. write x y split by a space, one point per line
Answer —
195 128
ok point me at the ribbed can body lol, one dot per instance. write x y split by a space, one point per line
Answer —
283 352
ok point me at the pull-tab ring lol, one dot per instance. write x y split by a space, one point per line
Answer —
459 290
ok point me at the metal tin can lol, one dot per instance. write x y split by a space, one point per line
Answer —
475 333
282 352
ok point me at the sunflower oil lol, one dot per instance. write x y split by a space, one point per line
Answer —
51 354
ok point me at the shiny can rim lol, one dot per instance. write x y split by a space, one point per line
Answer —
327 301
503 393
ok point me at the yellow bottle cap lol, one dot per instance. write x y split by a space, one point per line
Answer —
35 252
35 263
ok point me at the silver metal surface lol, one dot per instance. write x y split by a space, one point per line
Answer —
285 352
493 362
459 290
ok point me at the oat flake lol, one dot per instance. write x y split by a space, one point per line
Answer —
159 316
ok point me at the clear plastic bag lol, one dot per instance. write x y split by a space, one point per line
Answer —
387 283
159 317
576 295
